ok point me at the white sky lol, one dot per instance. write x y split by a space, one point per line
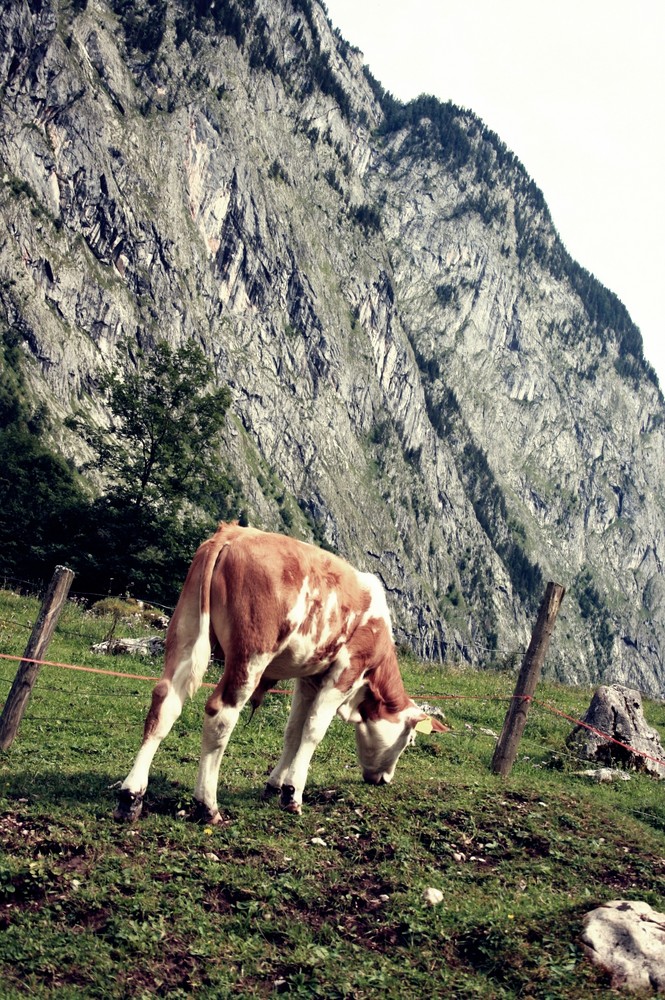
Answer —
576 89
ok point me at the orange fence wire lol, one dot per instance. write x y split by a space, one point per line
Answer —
430 697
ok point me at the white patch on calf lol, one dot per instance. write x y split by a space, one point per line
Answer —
298 646
190 671
330 617
378 607
348 711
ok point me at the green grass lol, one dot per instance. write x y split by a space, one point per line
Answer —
253 908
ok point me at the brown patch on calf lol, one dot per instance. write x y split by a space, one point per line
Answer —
249 605
373 655
332 577
329 652
159 693
283 632
260 690
213 704
226 692
293 576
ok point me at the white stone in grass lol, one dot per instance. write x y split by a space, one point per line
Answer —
627 937
318 842
433 896
604 774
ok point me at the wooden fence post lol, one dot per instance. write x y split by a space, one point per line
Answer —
529 675
27 673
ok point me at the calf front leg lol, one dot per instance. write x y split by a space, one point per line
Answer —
304 693
315 722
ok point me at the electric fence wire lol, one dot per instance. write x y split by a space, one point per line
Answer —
471 647
69 633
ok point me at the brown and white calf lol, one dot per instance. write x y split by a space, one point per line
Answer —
279 608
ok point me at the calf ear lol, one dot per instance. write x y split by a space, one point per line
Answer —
349 714
349 710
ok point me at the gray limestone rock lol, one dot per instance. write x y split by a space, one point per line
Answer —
616 732
627 938
151 646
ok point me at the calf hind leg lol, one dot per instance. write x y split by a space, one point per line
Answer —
164 710
221 715
168 697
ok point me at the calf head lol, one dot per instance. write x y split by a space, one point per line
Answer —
381 740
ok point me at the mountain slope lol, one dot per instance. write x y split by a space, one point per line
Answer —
421 375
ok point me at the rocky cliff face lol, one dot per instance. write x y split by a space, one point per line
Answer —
421 376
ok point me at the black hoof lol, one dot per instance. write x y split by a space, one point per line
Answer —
270 792
202 813
129 807
287 800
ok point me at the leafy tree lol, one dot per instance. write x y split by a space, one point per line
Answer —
595 613
160 456
367 216
160 449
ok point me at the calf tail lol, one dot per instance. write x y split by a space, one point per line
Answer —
259 694
202 648
188 641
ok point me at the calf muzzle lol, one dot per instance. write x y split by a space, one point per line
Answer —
374 779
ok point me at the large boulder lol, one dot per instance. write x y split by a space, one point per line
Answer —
627 938
619 733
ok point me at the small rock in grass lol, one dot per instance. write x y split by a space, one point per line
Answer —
604 774
433 896
318 841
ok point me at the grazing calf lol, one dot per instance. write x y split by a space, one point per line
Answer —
279 608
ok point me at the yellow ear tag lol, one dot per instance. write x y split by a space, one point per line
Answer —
424 726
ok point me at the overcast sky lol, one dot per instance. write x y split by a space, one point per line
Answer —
576 89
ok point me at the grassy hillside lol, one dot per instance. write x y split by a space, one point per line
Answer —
257 906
